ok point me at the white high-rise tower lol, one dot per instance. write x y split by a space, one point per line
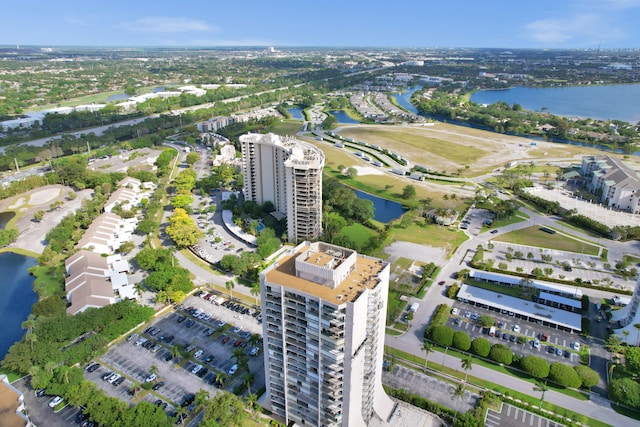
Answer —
324 325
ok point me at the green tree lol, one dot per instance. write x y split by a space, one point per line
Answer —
456 394
409 192
192 158
500 353
481 346
588 376
39 215
625 391
225 409
632 359
564 375
442 335
182 230
535 366
461 340
486 320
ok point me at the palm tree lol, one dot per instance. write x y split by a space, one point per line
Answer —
230 284
175 353
31 338
467 364
50 365
456 394
248 379
29 323
255 291
153 369
428 348
251 400
541 387
201 398
180 412
221 378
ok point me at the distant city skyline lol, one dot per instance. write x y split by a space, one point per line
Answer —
401 23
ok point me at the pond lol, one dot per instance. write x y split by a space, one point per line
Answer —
383 210
118 97
17 297
296 113
343 117
5 217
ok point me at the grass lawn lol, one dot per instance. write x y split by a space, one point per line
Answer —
358 233
285 127
403 262
49 280
533 236
429 234
514 219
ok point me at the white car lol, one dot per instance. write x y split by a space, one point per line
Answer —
455 311
576 346
516 328
254 351
55 401
150 378
196 369
198 354
233 369
114 377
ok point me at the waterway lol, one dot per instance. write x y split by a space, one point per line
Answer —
343 117
17 297
621 102
296 113
383 210
5 217
404 99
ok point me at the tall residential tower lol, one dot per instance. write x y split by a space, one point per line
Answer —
324 325
288 173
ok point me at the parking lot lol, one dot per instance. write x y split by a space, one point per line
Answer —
510 416
178 342
522 336
39 411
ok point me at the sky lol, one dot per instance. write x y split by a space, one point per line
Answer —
552 24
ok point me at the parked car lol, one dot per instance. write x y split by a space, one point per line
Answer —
158 385
150 378
233 369
536 343
118 381
58 400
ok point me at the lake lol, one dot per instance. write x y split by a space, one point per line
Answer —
404 99
621 102
118 97
343 117
383 210
296 113
17 297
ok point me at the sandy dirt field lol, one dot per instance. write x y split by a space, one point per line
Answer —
32 233
448 148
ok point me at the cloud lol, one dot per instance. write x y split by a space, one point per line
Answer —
163 24
242 42
559 31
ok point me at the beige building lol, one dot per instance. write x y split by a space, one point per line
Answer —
288 173
324 325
